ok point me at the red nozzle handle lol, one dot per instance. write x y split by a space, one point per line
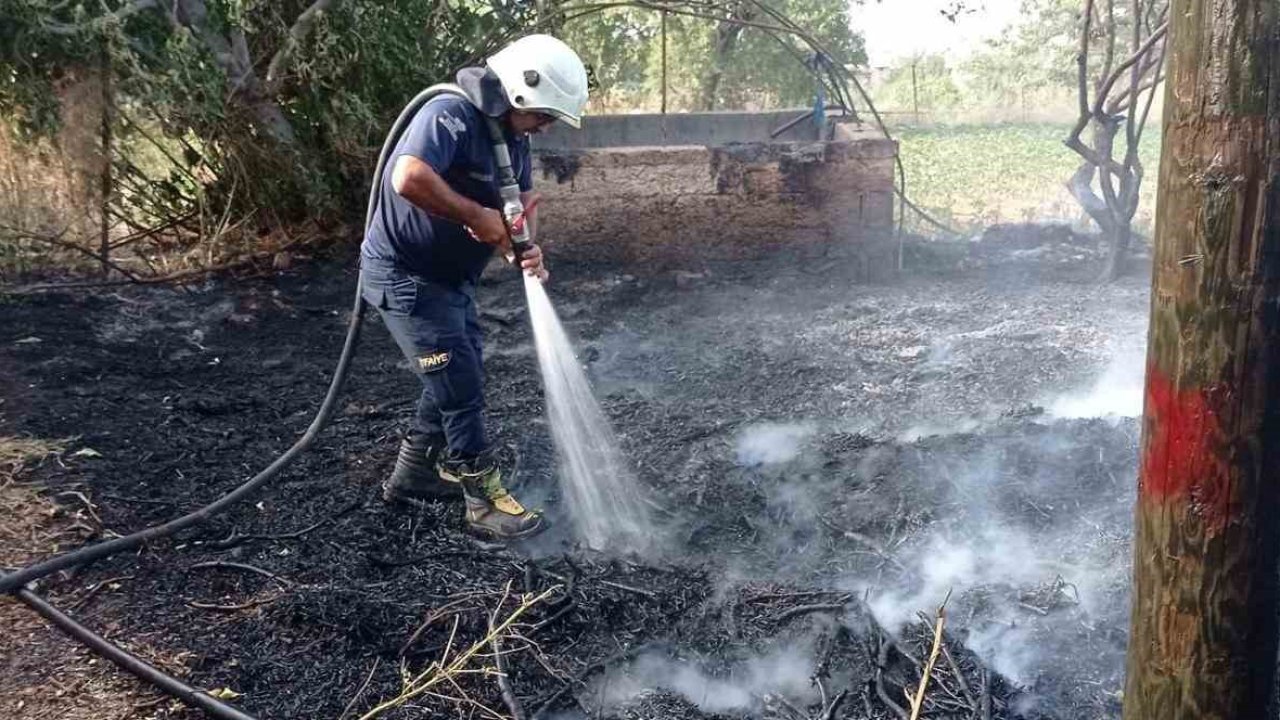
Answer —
517 223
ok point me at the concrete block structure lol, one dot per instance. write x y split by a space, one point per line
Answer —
673 190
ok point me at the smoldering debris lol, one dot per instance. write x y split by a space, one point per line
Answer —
777 533
1117 393
772 443
737 686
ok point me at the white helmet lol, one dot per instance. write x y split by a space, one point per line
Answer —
541 74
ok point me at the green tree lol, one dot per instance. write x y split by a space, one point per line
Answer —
926 79
279 96
1033 55
765 70
614 43
715 58
275 106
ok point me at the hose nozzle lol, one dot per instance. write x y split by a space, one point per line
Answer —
516 214
513 210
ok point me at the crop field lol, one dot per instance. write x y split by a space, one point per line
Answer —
973 176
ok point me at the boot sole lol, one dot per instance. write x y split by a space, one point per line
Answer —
488 534
394 497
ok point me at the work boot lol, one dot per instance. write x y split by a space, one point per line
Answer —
491 510
416 479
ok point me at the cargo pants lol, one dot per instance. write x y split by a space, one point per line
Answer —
438 330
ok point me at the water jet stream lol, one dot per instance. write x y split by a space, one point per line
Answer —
603 497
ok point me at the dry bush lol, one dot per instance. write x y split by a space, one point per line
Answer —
51 186
29 522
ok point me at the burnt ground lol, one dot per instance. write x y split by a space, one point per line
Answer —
827 459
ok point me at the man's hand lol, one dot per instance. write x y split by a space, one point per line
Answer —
489 228
531 263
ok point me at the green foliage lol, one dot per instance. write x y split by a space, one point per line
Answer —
616 44
349 76
365 60
1035 54
192 136
764 72
763 69
927 80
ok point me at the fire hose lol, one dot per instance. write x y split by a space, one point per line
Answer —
16 582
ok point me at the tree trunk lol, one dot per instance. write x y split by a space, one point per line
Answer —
1118 251
1081 188
243 85
725 39
1203 628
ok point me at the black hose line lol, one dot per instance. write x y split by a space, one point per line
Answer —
15 582
170 685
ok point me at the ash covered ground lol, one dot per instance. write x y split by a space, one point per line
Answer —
826 460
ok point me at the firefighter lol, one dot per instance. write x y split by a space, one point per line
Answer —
436 225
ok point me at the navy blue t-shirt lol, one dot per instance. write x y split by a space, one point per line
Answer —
449 134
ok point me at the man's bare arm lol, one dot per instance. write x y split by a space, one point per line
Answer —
415 181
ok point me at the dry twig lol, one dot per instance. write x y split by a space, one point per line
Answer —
360 693
582 675
445 672
834 707
236 539
504 680
918 701
806 609
221 564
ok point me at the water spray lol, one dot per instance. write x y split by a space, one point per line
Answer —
603 499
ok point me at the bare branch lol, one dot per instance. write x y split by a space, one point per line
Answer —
1081 188
232 56
301 28
1146 111
241 61
180 167
57 241
1153 61
1110 55
1104 138
1105 88
1135 73
1082 67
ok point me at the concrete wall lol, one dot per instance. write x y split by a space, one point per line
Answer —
702 128
679 204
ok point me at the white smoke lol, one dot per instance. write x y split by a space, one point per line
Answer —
934 429
771 443
785 671
1117 393
1024 555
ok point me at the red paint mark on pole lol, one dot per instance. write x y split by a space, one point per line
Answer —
1185 456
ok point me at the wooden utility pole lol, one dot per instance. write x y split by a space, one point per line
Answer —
1203 629
664 62
915 91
